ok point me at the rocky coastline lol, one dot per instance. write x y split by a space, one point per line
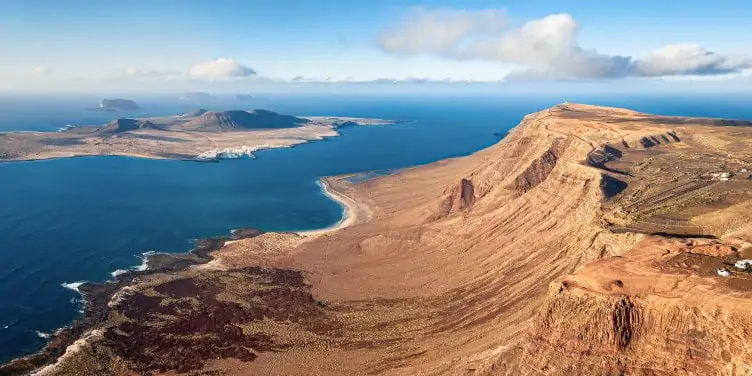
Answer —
96 297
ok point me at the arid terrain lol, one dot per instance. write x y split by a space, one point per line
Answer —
201 135
587 242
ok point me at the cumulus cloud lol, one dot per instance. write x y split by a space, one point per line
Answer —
688 59
39 70
437 31
546 48
220 69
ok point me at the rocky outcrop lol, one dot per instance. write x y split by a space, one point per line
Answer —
585 333
580 323
648 142
456 198
540 168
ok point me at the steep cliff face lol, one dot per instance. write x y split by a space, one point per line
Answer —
584 333
456 198
541 167
642 314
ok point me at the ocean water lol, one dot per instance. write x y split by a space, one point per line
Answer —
81 219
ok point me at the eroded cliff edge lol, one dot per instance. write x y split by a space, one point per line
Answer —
585 242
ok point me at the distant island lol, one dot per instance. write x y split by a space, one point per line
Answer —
198 135
119 104
115 105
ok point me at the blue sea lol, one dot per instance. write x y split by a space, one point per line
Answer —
81 219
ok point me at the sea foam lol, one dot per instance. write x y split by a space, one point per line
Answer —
118 272
144 265
43 335
73 285
145 261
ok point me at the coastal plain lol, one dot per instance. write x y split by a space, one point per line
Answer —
586 242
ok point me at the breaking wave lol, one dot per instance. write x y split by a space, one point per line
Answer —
65 127
118 272
73 286
43 335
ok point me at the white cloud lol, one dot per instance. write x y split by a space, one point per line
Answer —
39 70
436 31
688 59
546 48
221 68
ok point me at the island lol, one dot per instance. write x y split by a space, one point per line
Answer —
198 135
588 241
118 104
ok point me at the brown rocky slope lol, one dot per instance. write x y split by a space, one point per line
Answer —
538 255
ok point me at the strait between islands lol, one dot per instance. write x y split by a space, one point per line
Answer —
587 242
198 135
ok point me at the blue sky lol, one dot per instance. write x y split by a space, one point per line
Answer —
175 45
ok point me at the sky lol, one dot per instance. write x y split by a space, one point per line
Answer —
251 45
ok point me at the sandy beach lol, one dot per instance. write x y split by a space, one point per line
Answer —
261 249
353 211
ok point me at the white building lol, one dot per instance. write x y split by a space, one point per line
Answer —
722 176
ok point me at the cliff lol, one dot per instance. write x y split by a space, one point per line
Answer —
654 311
586 242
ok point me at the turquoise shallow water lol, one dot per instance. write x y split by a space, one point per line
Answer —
69 220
